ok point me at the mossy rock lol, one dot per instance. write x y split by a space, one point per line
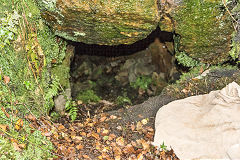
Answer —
188 85
205 29
102 22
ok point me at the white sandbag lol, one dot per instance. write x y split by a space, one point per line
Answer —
202 127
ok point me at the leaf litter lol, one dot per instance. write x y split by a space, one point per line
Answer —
101 138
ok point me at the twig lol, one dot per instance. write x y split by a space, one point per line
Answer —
225 5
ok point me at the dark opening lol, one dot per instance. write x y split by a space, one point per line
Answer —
122 50
123 73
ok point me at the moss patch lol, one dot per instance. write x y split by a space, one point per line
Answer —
205 29
27 85
111 22
217 78
88 96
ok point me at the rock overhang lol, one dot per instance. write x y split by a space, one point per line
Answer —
101 22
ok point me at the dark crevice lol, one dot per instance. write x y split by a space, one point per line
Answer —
122 50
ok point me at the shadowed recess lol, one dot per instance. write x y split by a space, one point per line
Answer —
122 50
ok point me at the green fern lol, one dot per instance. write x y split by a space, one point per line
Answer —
71 109
51 92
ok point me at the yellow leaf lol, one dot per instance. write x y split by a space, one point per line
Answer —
19 124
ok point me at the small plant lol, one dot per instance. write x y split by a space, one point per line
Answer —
88 96
28 85
163 147
122 100
52 91
55 116
72 109
92 84
142 82
8 28
182 57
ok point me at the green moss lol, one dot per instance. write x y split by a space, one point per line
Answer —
62 73
49 5
88 96
26 58
235 51
182 57
189 85
101 22
205 29
62 70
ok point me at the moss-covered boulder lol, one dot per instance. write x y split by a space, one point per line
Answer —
102 22
205 29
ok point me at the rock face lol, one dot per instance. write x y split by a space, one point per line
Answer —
105 22
204 27
205 30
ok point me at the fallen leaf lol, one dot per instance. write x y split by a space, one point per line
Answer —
140 156
105 138
6 79
71 150
61 127
139 126
6 114
77 139
95 135
16 146
150 129
113 117
111 136
119 128
31 117
120 141
102 119
90 124
22 146
149 135
19 124
145 145
47 134
140 116
79 147
145 121
129 149
4 127
105 132
86 156
185 91
118 157
83 134
133 127
98 130
105 149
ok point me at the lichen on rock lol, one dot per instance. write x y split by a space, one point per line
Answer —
102 22
205 28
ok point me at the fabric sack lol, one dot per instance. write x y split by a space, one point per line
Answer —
202 127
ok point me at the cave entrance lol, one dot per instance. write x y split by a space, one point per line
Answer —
122 75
